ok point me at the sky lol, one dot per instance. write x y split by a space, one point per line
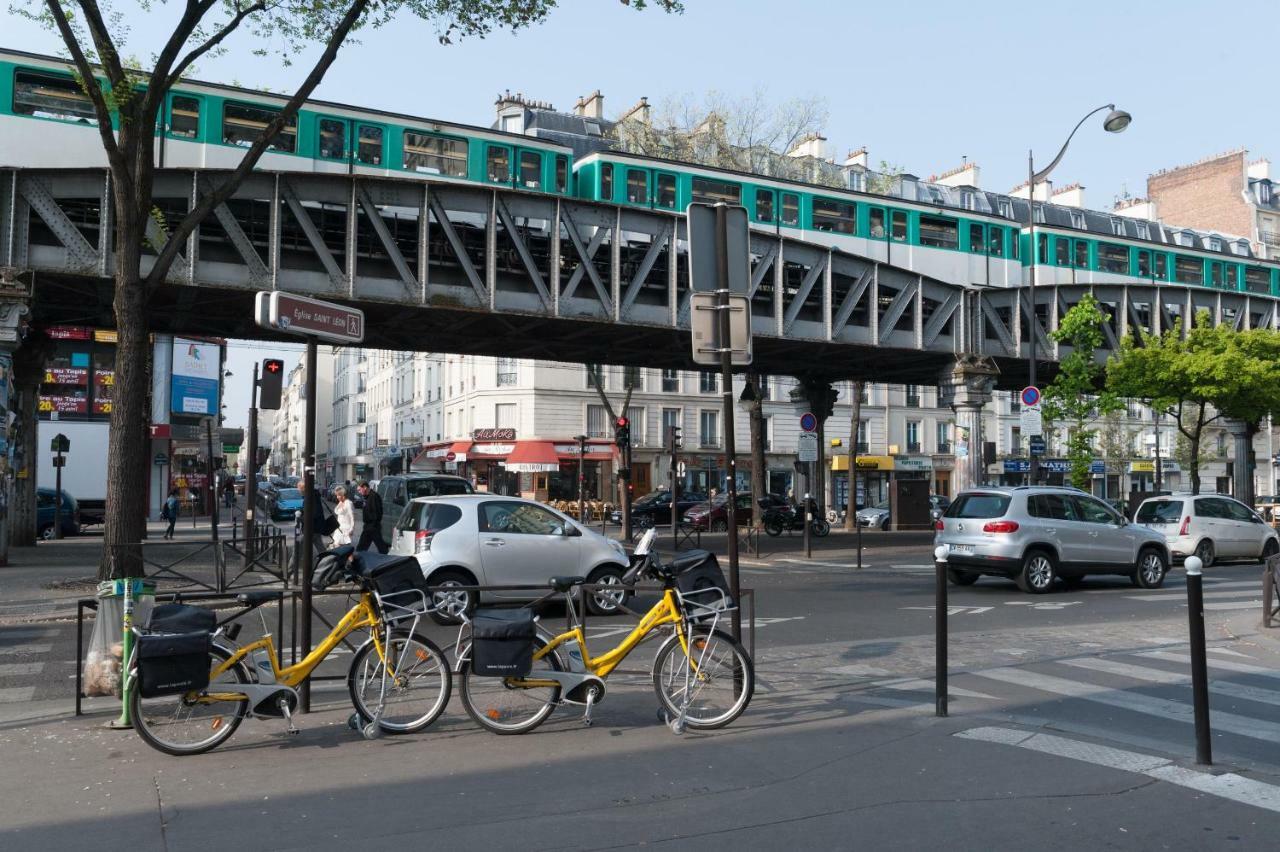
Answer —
922 85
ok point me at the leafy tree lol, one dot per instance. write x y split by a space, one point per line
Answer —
93 33
1115 443
1073 399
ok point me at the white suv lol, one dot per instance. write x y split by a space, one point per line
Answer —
492 540
1211 526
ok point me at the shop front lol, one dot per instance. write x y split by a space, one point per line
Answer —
874 474
1142 475
943 466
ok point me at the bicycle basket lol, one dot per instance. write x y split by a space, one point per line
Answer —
704 589
181 618
502 642
392 575
173 663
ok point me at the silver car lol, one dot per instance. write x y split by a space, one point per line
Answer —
492 540
1034 535
1214 527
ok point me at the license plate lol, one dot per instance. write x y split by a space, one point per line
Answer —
962 548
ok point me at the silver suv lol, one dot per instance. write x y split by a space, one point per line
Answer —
1035 534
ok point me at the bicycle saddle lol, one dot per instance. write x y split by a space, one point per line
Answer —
254 598
564 584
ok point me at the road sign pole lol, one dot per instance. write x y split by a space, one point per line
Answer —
726 380
57 498
212 472
675 491
310 503
251 469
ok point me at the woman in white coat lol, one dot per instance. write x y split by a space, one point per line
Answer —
346 517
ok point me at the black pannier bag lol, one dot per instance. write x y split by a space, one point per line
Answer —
502 642
704 573
392 575
181 618
173 663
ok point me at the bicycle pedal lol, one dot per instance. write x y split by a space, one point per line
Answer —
288 716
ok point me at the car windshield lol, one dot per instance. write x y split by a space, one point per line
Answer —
979 506
883 504
1159 512
289 494
436 487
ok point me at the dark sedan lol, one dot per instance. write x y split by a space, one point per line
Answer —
714 516
654 509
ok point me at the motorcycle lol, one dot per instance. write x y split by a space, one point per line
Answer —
790 518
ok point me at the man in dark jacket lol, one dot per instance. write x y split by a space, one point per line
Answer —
371 520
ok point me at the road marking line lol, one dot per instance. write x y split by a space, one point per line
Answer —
1175 594
955 610
1231 652
1225 665
20 668
1227 688
920 685
44 633
1164 708
1217 607
859 670
1226 786
13 695
14 650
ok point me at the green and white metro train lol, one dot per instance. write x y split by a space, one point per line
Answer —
46 121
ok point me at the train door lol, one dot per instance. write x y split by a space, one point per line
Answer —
528 169
664 190
370 145
878 232
181 122
497 164
638 187
333 144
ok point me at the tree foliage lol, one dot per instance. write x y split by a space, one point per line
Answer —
1073 400
95 34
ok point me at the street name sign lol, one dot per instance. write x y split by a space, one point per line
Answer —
309 317
807 447
1032 420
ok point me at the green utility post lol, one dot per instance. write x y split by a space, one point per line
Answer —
126 655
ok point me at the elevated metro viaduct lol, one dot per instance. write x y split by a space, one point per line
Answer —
444 267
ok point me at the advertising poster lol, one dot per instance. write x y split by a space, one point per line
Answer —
194 388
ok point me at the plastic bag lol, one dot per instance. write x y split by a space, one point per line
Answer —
103 663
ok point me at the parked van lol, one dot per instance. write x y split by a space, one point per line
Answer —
400 490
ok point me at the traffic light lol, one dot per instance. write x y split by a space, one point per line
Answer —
622 432
271 383
674 438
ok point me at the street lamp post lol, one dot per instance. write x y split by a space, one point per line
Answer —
1116 121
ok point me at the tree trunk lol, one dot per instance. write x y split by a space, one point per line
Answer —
755 416
127 470
1194 445
855 420
28 370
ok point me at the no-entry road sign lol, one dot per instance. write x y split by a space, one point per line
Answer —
309 317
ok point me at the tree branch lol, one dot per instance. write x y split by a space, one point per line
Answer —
102 41
118 163
213 41
191 17
220 195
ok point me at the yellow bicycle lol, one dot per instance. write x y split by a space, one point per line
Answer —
192 685
703 677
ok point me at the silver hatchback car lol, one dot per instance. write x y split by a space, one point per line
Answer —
1036 534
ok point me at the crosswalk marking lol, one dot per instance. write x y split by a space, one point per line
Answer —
1181 594
1244 726
1227 688
25 634
1225 665
21 668
919 685
15 694
14 650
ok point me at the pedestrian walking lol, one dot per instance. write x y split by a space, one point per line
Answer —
371 519
169 511
229 491
345 515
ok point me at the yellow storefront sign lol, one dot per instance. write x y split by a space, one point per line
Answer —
1142 467
841 463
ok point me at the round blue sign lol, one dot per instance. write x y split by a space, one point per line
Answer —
808 422
1031 395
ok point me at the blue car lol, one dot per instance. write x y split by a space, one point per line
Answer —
283 503
46 503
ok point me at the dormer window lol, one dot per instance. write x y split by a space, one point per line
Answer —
1006 208
1264 192
1143 231
1117 226
966 199
1215 244
1077 219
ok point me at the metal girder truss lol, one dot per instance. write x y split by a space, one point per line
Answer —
517 256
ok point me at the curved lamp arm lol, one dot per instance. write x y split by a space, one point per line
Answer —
1044 173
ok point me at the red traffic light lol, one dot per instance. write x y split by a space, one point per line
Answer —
621 421
272 365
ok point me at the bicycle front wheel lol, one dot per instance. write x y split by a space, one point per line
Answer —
505 705
711 686
192 723
417 683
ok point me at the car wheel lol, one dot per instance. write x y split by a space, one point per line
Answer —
961 578
1270 549
773 527
449 603
46 532
643 522
719 526
1037 574
606 601
1150 570
1204 552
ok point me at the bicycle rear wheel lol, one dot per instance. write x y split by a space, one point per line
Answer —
711 686
502 704
418 684
192 723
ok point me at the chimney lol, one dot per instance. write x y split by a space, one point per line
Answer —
592 106
1071 195
814 145
1260 169
857 158
1043 190
966 174
639 112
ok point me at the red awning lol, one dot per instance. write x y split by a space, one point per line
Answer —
533 457
439 453
567 451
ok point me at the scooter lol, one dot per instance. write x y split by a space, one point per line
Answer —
790 518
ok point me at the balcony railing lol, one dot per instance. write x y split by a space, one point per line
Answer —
944 447
913 448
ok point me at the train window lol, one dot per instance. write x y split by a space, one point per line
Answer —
1215 274
976 238
710 191
898 224
498 164
834 216
666 190
184 117
530 169
791 209
1188 270
875 223
1042 254
1062 251
242 125
637 186
1113 258
1144 264
562 174
1257 280
1014 238
995 241
606 182
333 139
764 205
1082 254
49 96
435 155
369 145
939 232
1161 269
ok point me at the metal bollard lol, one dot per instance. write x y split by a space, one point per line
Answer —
940 628
1199 663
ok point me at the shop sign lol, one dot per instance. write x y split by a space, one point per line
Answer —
493 434
66 376
68 332
196 370
64 404
944 463
105 335
875 462
913 463
492 449
1166 466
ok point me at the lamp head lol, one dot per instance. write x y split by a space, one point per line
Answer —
1116 120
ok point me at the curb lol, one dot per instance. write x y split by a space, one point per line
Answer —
1249 625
